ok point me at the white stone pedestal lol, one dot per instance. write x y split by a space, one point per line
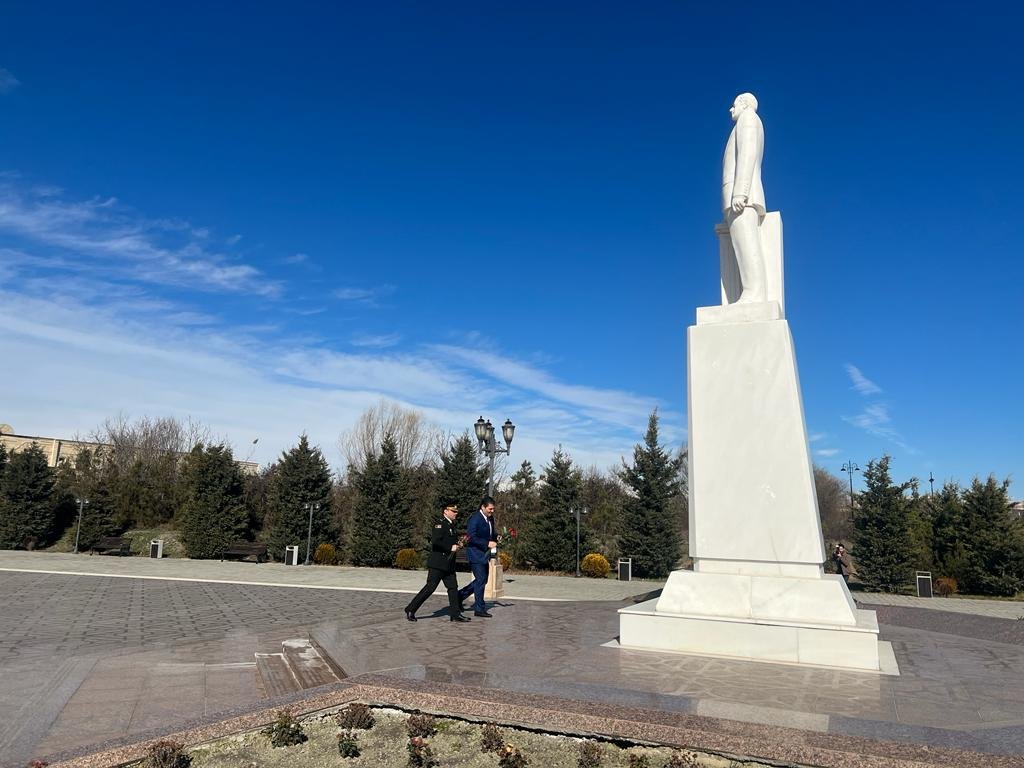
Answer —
757 590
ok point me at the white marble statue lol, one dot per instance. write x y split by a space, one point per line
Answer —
743 196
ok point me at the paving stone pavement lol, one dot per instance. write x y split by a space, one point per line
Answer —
86 659
997 609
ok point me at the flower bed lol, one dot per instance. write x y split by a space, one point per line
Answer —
386 744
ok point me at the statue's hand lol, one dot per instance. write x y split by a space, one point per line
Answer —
739 202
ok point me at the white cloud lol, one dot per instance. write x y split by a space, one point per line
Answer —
368 296
827 452
378 341
875 420
297 258
119 242
861 383
8 82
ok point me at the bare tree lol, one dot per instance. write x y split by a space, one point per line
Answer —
833 506
148 439
417 439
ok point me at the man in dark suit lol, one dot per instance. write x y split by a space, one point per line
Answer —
444 542
481 547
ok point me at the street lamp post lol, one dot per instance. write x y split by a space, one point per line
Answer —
487 444
313 507
78 530
849 468
577 511
931 482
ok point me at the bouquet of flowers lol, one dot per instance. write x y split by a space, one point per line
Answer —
507 534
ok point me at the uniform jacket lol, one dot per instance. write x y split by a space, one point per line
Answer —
442 536
480 530
741 166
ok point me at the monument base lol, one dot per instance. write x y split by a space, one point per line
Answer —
810 621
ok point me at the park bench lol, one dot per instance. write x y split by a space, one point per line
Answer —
111 545
244 549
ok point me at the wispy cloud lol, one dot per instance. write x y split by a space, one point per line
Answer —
368 296
875 420
826 452
297 258
119 241
380 341
8 82
862 383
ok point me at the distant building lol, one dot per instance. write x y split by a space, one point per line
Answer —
60 450
1017 509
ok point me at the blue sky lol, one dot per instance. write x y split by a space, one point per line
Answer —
270 219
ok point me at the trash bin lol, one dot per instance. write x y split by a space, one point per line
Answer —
924 583
156 548
291 555
625 569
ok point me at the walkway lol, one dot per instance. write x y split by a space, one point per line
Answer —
87 659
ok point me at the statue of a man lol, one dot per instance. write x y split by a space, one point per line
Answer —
743 195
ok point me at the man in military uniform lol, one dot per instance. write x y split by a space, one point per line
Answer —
444 543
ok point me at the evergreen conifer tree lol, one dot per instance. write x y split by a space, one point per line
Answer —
300 478
947 514
213 515
461 479
650 532
381 519
88 479
549 541
991 547
884 550
27 516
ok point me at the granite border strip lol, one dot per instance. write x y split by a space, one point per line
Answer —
736 740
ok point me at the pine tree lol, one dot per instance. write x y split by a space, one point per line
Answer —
650 532
301 477
88 479
989 541
460 478
213 515
883 548
947 513
381 524
549 542
27 516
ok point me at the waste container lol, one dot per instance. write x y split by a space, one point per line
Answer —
156 548
924 583
291 555
625 569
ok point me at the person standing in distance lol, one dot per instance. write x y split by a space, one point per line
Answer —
482 545
444 543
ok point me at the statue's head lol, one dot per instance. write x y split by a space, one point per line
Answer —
742 102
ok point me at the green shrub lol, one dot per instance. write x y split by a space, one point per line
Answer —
408 560
421 726
355 716
639 761
595 566
348 744
491 739
325 554
589 754
945 587
285 731
166 754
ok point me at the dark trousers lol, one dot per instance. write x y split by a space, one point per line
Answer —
476 586
434 577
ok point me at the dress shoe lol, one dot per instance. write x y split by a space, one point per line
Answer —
459 618
482 614
410 616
